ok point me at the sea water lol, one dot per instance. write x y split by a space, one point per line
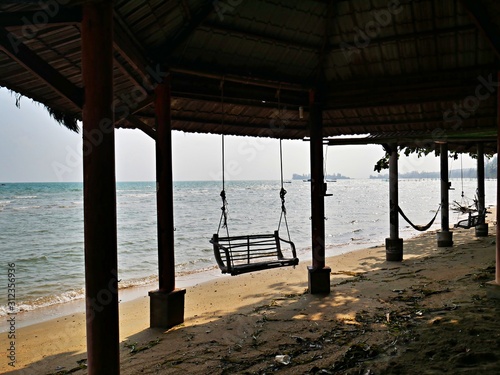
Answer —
41 226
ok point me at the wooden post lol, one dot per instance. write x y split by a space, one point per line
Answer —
497 273
99 189
393 244
493 287
164 188
319 274
482 227
444 237
166 303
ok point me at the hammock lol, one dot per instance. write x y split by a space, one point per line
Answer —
421 228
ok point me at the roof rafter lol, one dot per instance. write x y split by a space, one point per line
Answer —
124 44
233 30
19 52
132 122
63 16
163 53
480 17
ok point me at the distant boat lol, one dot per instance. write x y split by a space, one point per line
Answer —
307 180
331 180
287 182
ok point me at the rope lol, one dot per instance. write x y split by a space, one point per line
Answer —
462 174
325 166
421 228
282 196
223 216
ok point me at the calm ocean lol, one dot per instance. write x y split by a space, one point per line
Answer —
41 226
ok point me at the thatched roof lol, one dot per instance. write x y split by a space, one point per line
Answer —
381 65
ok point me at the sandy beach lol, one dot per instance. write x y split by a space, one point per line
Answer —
429 314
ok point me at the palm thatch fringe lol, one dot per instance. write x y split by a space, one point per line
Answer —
62 118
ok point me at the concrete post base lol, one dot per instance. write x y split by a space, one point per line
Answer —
444 239
493 290
166 310
319 280
394 249
482 230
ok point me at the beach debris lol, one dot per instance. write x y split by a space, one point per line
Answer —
298 339
356 354
136 348
283 359
82 365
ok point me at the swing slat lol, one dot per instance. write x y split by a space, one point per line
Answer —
241 254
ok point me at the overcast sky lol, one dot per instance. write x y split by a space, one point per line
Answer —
34 148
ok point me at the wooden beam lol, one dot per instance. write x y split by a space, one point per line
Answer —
228 124
19 52
41 18
164 52
217 73
137 82
135 123
124 110
260 36
432 122
479 14
124 44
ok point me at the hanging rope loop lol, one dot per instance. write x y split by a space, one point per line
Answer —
223 218
282 196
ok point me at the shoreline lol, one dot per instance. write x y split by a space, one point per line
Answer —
187 279
207 300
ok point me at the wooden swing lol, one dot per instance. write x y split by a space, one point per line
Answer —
247 253
256 252
472 221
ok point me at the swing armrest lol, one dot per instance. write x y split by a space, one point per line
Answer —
292 245
225 267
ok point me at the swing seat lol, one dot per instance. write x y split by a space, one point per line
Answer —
472 221
241 254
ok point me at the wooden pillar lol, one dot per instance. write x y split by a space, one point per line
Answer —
444 237
166 303
393 244
493 287
319 274
99 189
482 227
497 273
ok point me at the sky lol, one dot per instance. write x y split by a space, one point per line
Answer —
35 148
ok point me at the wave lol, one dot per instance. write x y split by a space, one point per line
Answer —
45 301
78 294
24 196
22 208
